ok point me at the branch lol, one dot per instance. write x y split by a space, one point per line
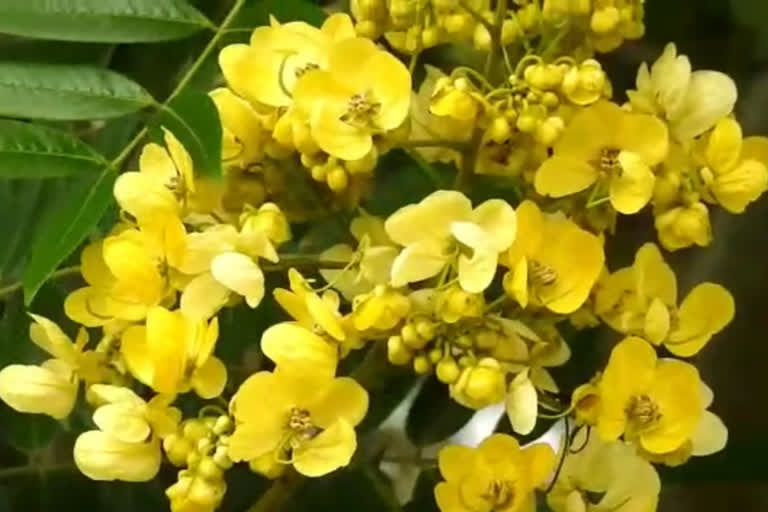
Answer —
280 492
18 285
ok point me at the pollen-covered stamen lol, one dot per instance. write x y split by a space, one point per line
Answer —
500 494
642 412
361 109
309 66
300 423
609 160
541 274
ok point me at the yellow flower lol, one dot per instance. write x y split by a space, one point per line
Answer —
162 186
243 134
443 225
692 102
127 273
497 475
684 226
642 300
375 266
480 385
51 388
306 419
522 404
425 125
613 471
266 70
173 353
554 262
364 92
604 142
735 171
224 261
127 444
657 403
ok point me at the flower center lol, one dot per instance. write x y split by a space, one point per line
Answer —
300 423
609 160
642 412
499 494
541 274
361 109
301 70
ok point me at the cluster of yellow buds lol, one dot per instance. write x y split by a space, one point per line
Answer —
201 447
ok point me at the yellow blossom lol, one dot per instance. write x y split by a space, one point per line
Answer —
657 403
306 419
684 226
365 91
735 171
642 300
51 388
266 70
480 385
613 471
554 262
127 444
692 102
127 273
173 353
243 134
162 186
444 225
382 309
497 475
605 143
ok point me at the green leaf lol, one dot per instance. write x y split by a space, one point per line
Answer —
33 152
257 13
194 120
65 227
107 21
61 52
55 92
434 415
27 432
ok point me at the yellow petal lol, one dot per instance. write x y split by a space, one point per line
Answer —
657 322
209 380
338 26
92 266
644 135
288 344
325 317
181 159
252 74
48 336
706 310
560 176
429 219
497 218
144 197
240 274
455 461
539 460
630 372
632 188
711 96
38 390
711 435
476 273
448 497
166 336
203 297
522 404
724 145
100 394
100 456
331 449
390 84
654 278
741 186
516 282
200 248
417 262
591 130
345 399
135 352
122 420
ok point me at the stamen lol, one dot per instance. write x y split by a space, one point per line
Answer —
541 274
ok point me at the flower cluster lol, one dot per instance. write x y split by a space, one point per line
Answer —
480 294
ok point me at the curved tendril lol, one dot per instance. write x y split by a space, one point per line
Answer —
281 72
586 440
566 442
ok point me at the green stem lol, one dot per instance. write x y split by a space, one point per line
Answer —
188 76
498 24
381 488
280 492
34 470
468 161
301 260
476 15
62 272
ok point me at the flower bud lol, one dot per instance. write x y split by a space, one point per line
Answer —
397 352
367 28
684 226
486 339
223 424
480 385
194 429
421 365
337 179
425 328
430 37
481 38
455 23
447 370
549 130
604 20
435 355
499 131
510 32
221 457
584 84
177 449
